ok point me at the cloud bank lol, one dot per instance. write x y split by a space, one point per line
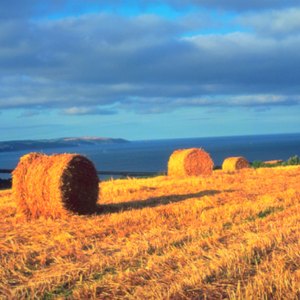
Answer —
101 63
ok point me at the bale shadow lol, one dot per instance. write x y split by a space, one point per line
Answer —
5 184
151 202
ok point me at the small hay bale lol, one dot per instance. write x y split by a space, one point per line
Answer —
50 186
273 162
232 164
190 162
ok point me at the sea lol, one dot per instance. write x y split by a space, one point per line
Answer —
153 155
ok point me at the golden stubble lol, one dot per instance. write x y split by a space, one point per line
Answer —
233 236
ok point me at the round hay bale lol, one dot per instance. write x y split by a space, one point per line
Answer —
232 164
50 186
273 162
190 162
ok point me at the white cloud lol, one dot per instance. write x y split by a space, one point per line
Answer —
75 110
280 23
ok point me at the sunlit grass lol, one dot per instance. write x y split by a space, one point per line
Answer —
230 236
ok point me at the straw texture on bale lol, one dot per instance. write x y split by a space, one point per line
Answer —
232 164
50 186
190 162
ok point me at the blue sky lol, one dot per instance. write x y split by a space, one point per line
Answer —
148 69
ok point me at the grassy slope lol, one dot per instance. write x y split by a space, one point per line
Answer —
226 236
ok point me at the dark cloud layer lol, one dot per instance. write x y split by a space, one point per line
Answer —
101 63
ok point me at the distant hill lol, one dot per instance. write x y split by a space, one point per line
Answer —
56 143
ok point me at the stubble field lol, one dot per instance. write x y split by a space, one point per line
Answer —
227 236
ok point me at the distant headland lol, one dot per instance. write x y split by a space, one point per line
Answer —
7 146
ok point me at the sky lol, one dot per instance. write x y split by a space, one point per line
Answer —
144 70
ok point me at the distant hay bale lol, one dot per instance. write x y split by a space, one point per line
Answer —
190 162
50 186
232 164
273 162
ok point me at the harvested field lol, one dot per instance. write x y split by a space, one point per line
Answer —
230 236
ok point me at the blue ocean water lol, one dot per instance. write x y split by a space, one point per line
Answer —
153 155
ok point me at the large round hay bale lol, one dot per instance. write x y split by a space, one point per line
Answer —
190 162
51 186
232 164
